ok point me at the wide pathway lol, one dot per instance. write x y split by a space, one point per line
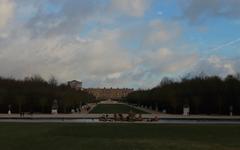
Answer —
94 118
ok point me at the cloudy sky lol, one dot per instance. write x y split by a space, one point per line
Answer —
119 43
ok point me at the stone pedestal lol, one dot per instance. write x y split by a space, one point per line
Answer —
186 111
9 109
72 111
55 107
164 111
54 111
231 110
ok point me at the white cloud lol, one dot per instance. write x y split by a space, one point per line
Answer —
6 12
95 58
166 61
134 8
161 33
217 65
151 66
40 44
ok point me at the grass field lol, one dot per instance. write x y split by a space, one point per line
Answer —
42 136
115 108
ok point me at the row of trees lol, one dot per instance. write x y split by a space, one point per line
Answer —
203 94
34 94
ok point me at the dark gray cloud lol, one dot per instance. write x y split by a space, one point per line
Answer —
68 17
63 16
200 10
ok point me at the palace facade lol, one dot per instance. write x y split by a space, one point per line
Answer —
109 93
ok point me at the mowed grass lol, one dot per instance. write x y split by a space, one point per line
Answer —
42 136
115 108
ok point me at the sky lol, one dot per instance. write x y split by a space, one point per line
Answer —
119 43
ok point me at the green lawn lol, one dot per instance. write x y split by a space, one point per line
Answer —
42 136
114 108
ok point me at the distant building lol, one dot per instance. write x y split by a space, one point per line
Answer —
77 85
109 93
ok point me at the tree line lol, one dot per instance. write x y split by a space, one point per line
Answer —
202 94
34 94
